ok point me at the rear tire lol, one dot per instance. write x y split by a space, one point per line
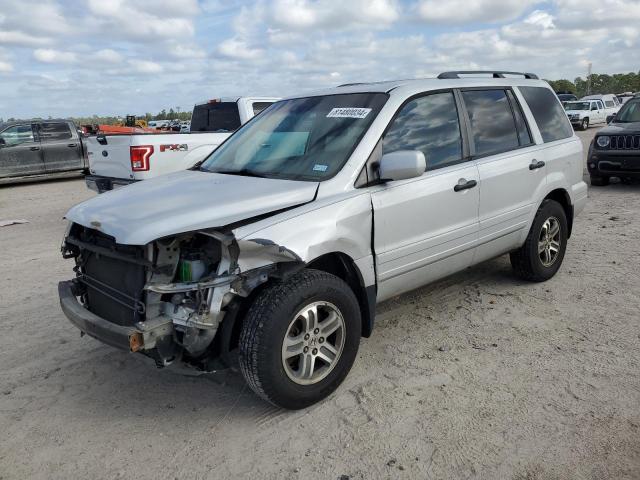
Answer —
542 253
285 355
599 181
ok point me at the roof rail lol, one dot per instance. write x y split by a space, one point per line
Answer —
495 74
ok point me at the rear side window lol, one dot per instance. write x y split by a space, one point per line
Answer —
609 103
428 124
599 103
492 123
260 106
55 131
549 115
215 117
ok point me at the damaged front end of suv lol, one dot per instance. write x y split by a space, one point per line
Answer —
167 299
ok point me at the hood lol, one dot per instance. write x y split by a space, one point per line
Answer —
185 201
632 128
574 112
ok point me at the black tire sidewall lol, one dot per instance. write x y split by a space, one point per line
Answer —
549 209
277 385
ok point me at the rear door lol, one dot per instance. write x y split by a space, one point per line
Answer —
508 164
20 152
61 147
602 114
426 227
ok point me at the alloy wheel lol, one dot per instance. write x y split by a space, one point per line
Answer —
313 343
549 241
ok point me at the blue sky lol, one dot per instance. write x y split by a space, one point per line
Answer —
80 57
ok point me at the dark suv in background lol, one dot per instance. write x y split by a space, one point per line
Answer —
615 151
39 147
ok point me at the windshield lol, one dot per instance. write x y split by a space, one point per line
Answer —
630 112
577 106
300 139
215 117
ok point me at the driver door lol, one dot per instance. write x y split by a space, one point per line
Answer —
425 228
20 152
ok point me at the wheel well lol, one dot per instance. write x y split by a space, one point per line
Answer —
342 266
338 264
562 197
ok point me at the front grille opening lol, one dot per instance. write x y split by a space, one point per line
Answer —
113 275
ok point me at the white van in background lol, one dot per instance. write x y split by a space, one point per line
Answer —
611 102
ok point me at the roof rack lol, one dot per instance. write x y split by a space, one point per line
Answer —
495 74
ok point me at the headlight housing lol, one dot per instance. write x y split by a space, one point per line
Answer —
603 141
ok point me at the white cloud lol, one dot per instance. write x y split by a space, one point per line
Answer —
238 49
464 11
148 20
48 55
13 37
145 66
107 55
5 67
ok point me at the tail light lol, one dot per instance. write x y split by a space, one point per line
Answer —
140 157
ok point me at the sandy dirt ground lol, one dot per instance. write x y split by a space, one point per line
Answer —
480 376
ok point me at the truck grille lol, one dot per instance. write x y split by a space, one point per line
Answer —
625 142
113 276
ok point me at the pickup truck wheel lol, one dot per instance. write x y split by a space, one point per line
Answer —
300 338
599 181
542 253
585 124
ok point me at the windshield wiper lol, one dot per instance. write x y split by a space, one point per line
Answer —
244 172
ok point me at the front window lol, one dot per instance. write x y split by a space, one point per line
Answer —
577 106
299 139
16 135
630 112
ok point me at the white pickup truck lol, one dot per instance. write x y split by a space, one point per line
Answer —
120 159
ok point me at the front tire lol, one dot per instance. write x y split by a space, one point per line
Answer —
584 124
300 338
542 253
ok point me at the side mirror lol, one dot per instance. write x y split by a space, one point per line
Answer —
402 165
611 117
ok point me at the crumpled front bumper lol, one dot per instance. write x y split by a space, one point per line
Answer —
123 337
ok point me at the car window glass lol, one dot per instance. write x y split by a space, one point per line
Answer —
17 134
600 106
215 117
492 124
521 124
260 106
55 131
428 124
547 112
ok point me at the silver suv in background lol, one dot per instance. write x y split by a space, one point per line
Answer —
279 245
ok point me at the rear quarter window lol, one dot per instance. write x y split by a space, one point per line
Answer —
547 112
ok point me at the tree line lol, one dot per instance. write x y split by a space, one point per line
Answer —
112 120
599 83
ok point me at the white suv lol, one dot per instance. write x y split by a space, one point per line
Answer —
280 244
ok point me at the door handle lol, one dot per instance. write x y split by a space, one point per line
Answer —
34 149
71 145
535 164
463 184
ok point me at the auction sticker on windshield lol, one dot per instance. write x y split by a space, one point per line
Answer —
349 112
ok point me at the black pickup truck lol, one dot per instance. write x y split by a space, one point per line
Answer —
39 148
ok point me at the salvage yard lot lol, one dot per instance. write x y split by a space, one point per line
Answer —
477 376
